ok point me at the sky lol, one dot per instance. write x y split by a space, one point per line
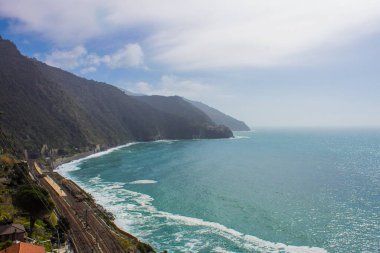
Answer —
270 63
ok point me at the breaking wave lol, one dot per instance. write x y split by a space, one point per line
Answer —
65 168
136 213
143 182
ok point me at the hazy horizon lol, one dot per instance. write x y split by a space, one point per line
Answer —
270 64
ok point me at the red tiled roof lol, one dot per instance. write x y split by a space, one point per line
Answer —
23 247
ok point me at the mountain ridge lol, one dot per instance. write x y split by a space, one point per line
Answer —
213 114
47 105
220 118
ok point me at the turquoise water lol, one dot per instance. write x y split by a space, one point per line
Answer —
264 191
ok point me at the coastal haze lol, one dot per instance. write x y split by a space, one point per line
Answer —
217 126
269 64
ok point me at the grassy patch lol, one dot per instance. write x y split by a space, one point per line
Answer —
7 212
7 160
53 219
24 220
127 244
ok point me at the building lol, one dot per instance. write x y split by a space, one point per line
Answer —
23 247
12 232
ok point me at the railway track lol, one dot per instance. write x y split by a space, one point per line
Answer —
88 231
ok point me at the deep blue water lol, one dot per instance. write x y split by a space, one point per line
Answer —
294 190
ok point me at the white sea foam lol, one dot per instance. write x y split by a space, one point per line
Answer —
95 180
145 181
135 212
114 186
166 141
220 250
250 242
105 152
65 168
237 137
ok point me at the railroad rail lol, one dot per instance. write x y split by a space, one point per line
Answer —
88 231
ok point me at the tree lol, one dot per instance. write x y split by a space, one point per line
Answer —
34 200
63 226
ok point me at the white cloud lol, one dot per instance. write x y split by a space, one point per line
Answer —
129 56
88 70
203 34
66 59
63 21
170 85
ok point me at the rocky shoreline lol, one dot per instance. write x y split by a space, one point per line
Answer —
102 212
66 159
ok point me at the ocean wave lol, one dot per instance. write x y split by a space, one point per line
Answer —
166 141
95 180
241 137
135 213
220 250
250 242
114 186
65 168
145 181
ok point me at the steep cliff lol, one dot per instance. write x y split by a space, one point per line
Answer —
46 105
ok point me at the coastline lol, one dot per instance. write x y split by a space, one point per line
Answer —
107 216
86 155
229 233
67 159
90 154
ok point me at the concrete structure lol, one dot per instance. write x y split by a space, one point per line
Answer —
23 247
12 232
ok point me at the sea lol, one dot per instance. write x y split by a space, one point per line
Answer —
268 190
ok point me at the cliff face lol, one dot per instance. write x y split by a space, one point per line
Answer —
176 106
192 111
220 118
42 104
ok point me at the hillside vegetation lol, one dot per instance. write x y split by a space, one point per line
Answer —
46 105
221 118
